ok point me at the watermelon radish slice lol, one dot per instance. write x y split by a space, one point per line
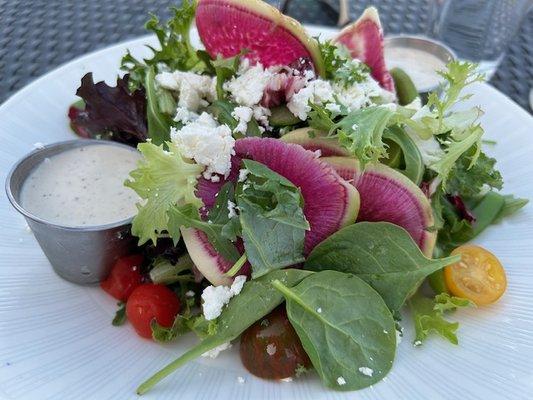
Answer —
330 203
364 40
228 26
387 195
327 146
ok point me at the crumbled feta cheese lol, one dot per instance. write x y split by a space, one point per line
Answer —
417 343
232 209
319 310
216 297
271 349
261 115
243 115
237 285
190 293
241 379
318 92
366 371
38 145
248 86
207 143
341 381
194 89
243 174
185 116
289 379
213 353
334 108
362 94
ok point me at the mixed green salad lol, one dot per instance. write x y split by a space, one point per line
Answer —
294 182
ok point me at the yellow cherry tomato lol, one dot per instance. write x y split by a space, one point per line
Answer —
479 276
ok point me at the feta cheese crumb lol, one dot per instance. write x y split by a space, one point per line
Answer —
366 371
334 108
341 381
185 116
232 209
271 349
319 310
195 90
243 115
241 379
237 285
216 297
213 353
243 174
207 143
417 343
318 91
289 379
190 293
248 86
261 115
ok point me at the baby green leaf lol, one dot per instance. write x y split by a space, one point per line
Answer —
428 316
187 216
272 219
345 328
120 316
257 298
382 254
163 179
158 121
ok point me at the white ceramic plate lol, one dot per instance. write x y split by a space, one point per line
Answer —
57 342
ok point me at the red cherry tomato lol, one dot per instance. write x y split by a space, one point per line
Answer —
124 277
271 349
149 302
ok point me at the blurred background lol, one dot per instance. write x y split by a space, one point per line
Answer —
38 35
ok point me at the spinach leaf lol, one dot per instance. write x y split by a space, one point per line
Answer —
382 254
187 216
120 316
414 167
158 122
345 328
428 313
257 298
510 206
272 219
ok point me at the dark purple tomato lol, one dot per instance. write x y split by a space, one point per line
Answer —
271 349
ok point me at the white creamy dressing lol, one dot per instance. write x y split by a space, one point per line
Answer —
421 66
83 186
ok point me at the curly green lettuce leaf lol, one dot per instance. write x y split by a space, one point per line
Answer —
175 49
340 66
361 132
428 317
469 179
458 131
163 178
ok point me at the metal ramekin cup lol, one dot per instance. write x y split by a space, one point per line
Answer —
431 46
82 255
